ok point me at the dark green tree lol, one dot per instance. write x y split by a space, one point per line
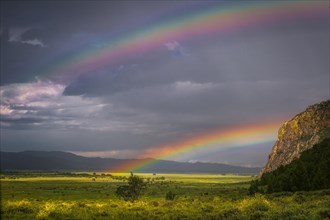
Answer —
299 176
309 172
133 190
170 195
253 189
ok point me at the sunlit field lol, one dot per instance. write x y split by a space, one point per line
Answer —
196 196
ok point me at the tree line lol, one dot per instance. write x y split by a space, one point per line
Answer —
310 172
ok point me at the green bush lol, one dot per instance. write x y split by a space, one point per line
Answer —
133 190
324 214
170 196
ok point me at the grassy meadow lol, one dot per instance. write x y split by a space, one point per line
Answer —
194 196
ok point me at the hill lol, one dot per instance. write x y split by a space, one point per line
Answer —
57 160
300 133
309 172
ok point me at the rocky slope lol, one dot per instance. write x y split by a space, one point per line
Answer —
299 134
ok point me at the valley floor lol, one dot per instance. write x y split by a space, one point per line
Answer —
92 196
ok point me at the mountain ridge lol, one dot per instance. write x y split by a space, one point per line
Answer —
60 160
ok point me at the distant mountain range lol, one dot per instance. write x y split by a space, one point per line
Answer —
65 161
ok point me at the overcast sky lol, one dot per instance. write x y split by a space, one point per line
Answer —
180 88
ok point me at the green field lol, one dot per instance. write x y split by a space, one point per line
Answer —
197 196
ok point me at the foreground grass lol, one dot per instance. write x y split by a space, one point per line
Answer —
197 197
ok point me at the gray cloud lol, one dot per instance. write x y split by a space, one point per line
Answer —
286 56
180 89
41 105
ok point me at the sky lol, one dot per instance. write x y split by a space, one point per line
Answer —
126 79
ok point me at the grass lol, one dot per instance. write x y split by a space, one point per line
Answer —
198 196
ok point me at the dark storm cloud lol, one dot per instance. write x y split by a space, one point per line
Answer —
58 26
179 89
298 55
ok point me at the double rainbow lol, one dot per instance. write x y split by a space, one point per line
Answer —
189 26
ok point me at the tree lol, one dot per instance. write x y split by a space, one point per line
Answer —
309 172
133 190
170 196
253 189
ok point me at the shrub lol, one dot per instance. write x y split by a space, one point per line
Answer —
324 214
255 207
124 192
154 203
253 189
22 206
170 196
133 190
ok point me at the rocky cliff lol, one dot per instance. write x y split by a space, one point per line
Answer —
299 134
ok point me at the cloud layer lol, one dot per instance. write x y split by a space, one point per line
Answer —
179 89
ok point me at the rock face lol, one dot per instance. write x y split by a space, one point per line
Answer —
299 134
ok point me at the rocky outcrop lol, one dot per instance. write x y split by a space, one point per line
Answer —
299 134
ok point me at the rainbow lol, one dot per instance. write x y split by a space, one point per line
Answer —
189 26
219 19
233 137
